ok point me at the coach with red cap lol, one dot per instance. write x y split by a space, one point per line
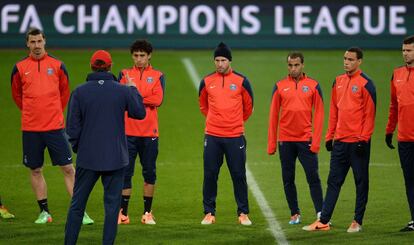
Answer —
96 130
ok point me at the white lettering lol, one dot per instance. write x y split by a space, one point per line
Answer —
57 19
194 19
279 28
139 21
183 19
167 15
93 19
368 19
232 22
247 15
7 17
300 20
355 23
324 20
113 19
395 20
31 19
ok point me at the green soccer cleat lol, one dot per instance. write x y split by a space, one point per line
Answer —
87 220
44 217
5 214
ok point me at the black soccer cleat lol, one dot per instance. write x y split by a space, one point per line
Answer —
409 227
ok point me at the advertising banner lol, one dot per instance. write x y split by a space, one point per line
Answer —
201 24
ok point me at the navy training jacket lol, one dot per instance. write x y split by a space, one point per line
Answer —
95 121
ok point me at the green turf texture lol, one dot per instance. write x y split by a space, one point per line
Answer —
177 204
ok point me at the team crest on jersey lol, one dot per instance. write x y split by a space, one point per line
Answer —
233 86
150 79
354 89
305 89
49 71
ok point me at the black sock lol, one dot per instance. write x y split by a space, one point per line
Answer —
147 204
43 205
124 204
0 203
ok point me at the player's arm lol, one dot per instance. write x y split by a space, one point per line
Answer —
157 93
16 87
64 85
134 104
273 121
74 121
393 111
333 115
317 119
370 100
203 98
247 96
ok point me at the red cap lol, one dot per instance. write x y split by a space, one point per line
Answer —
101 55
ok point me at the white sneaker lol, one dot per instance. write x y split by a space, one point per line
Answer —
354 227
244 219
208 219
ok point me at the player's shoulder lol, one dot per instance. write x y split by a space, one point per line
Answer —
22 60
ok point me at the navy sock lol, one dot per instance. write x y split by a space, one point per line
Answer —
147 204
43 205
124 204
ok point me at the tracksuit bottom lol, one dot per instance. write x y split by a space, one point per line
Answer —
288 152
85 180
344 155
406 153
235 151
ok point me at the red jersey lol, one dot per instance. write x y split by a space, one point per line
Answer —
227 101
352 108
402 104
150 84
40 88
291 113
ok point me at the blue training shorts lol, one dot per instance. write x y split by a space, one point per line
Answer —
34 144
147 150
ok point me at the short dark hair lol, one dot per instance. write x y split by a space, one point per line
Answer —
296 54
409 40
33 31
141 45
356 50
100 65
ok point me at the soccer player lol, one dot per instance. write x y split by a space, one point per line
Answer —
294 97
4 213
142 135
40 89
226 99
402 113
96 129
351 124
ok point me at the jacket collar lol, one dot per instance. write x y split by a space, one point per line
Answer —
410 68
149 67
302 77
100 75
42 58
227 74
357 73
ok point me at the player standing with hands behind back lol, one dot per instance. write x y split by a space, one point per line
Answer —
402 113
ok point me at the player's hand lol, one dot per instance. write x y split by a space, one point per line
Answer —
388 141
329 145
129 81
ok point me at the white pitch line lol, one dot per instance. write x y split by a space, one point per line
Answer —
274 226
